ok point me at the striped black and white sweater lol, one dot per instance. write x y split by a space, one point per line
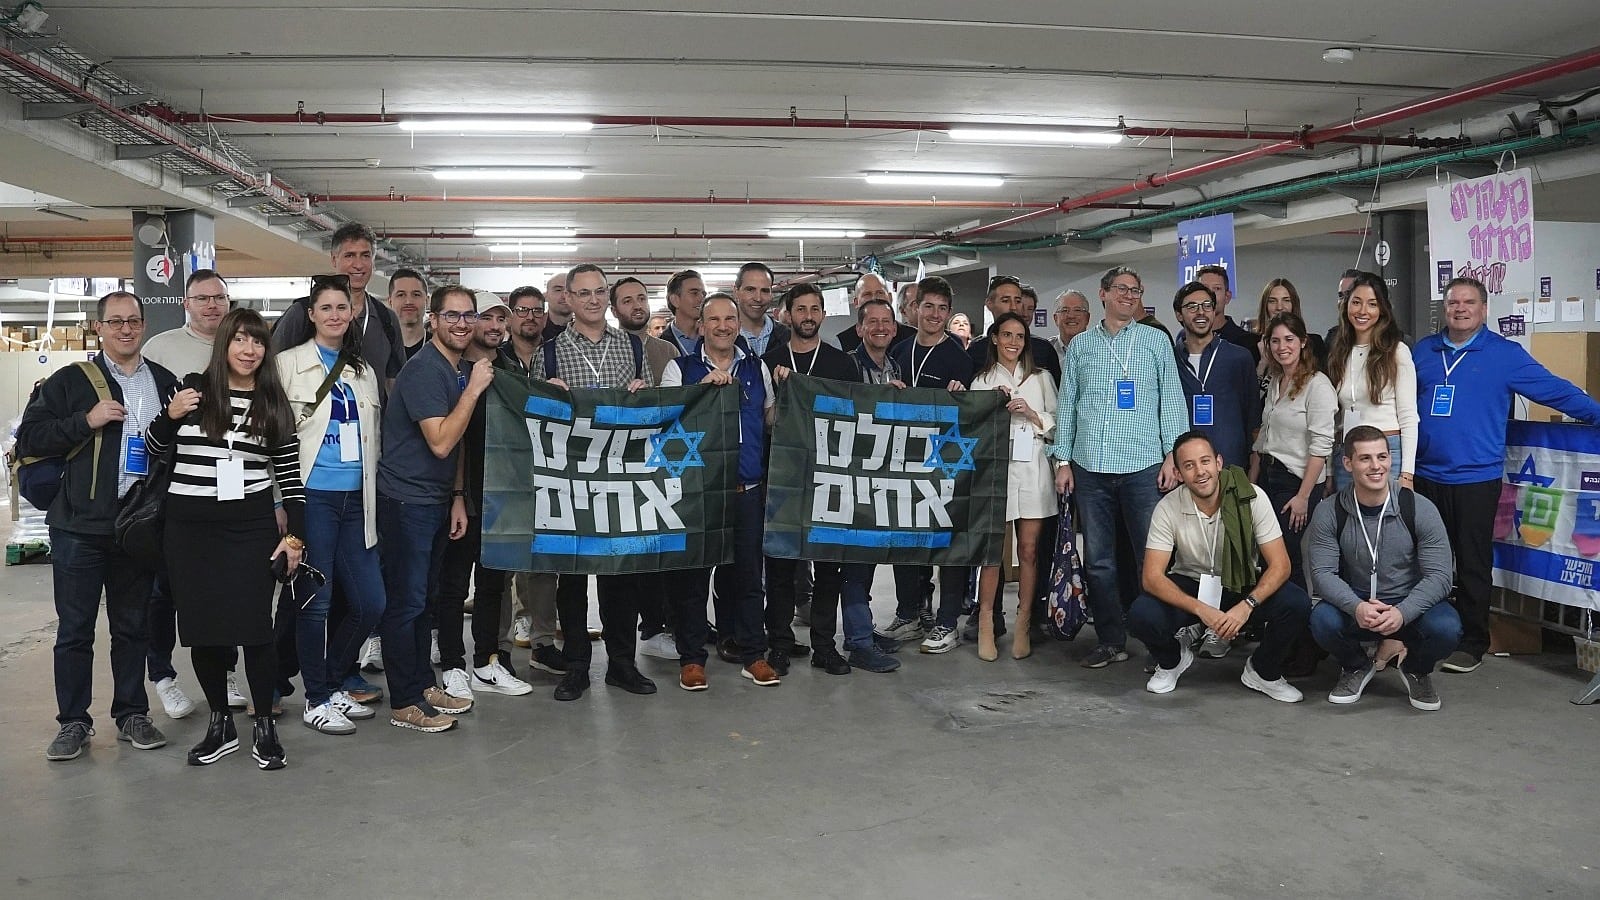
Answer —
194 471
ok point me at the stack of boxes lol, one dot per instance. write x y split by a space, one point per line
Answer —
26 338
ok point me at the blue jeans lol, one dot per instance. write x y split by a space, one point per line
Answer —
411 541
83 565
1284 616
1107 504
855 605
1429 637
336 545
911 584
1341 475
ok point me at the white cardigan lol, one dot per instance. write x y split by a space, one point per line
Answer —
300 369
1396 409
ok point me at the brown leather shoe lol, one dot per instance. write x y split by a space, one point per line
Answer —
761 672
692 677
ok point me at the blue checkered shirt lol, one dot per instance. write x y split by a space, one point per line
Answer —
1090 430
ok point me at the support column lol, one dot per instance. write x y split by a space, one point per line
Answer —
1405 267
168 247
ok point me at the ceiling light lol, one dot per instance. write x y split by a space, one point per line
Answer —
814 233
508 232
547 174
533 248
1036 136
1338 55
934 179
497 126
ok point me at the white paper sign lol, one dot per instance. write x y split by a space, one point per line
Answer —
1483 228
1544 310
1572 310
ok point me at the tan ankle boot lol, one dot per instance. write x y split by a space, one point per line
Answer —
986 648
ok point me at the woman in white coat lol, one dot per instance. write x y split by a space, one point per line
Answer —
1030 483
334 398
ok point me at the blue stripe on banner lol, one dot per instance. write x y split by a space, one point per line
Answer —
1566 572
860 537
1553 436
636 415
916 412
546 408
574 545
834 406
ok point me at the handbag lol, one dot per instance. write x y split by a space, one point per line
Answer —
141 516
1068 611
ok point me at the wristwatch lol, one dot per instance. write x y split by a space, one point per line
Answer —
1251 601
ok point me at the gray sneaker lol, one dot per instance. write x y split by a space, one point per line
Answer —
69 742
1351 684
142 733
1420 689
1214 647
1104 655
1460 661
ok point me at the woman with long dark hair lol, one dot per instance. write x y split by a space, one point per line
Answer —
1296 435
1030 482
232 435
1371 368
334 398
1279 297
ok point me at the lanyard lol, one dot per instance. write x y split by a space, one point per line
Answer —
916 370
243 418
1211 363
796 366
1374 541
583 353
1127 363
1216 530
1450 367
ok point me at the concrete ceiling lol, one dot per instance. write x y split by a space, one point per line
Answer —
1226 64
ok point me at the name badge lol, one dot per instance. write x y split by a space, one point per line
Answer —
1372 587
1125 394
1202 409
230 479
135 456
461 382
1022 442
1211 591
1444 399
349 442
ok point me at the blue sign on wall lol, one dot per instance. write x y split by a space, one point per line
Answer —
1206 242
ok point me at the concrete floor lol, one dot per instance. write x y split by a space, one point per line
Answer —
949 778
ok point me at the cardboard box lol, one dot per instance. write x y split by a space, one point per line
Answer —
1514 636
1573 355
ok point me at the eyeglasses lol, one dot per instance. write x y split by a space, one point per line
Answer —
338 281
1071 311
134 322
209 299
453 316
587 295
1207 305
526 311
1127 291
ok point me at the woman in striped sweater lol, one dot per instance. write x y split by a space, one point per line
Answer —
233 441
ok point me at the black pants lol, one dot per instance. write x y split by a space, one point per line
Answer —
211 666
619 614
686 593
459 573
1281 485
1284 616
1468 513
783 582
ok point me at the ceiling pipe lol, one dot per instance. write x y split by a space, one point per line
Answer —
68 239
757 122
709 200
661 236
1567 65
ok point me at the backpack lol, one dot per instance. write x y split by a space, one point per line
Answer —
1408 514
550 367
38 478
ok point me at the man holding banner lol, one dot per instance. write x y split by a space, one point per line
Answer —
1466 377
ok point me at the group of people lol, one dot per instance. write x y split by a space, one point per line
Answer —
326 489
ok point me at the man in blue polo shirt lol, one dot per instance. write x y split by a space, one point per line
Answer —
1466 376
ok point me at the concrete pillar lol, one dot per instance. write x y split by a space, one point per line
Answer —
168 247
1398 250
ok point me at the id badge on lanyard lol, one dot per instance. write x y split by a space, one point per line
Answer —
135 455
1202 409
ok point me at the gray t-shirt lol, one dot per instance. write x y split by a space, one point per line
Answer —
427 388
385 356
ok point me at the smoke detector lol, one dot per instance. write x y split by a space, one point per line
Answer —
1338 55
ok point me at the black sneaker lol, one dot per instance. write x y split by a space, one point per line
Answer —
829 660
629 678
873 660
220 740
142 733
886 645
799 651
728 651
546 658
1104 655
265 746
779 661
573 685
69 743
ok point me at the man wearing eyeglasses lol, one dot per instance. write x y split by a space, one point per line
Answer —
1219 378
103 450
1120 410
1072 319
381 344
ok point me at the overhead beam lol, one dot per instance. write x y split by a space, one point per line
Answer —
144 151
288 219
246 201
1141 235
37 111
1270 210
1356 192
1086 245
1469 170
201 181
128 101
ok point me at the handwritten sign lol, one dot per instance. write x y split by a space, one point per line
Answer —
1483 228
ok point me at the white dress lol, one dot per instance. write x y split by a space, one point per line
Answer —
1030 485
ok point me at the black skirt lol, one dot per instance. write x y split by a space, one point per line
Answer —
219 569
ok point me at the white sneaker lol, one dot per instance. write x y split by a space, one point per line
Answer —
456 684
942 639
1165 681
371 654
328 719
662 646
522 632
1214 647
1279 690
433 650
495 679
351 709
236 700
902 630
173 700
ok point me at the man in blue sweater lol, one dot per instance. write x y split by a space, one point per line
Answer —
1466 376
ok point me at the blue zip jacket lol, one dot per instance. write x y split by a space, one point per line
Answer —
1469 445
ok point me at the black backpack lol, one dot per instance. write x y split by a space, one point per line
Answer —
1408 514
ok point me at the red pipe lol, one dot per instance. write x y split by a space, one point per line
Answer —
672 201
773 122
68 239
663 236
1568 65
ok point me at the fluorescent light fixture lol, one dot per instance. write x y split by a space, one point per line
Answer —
509 174
496 126
1036 136
934 179
509 232
814 233
527 249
